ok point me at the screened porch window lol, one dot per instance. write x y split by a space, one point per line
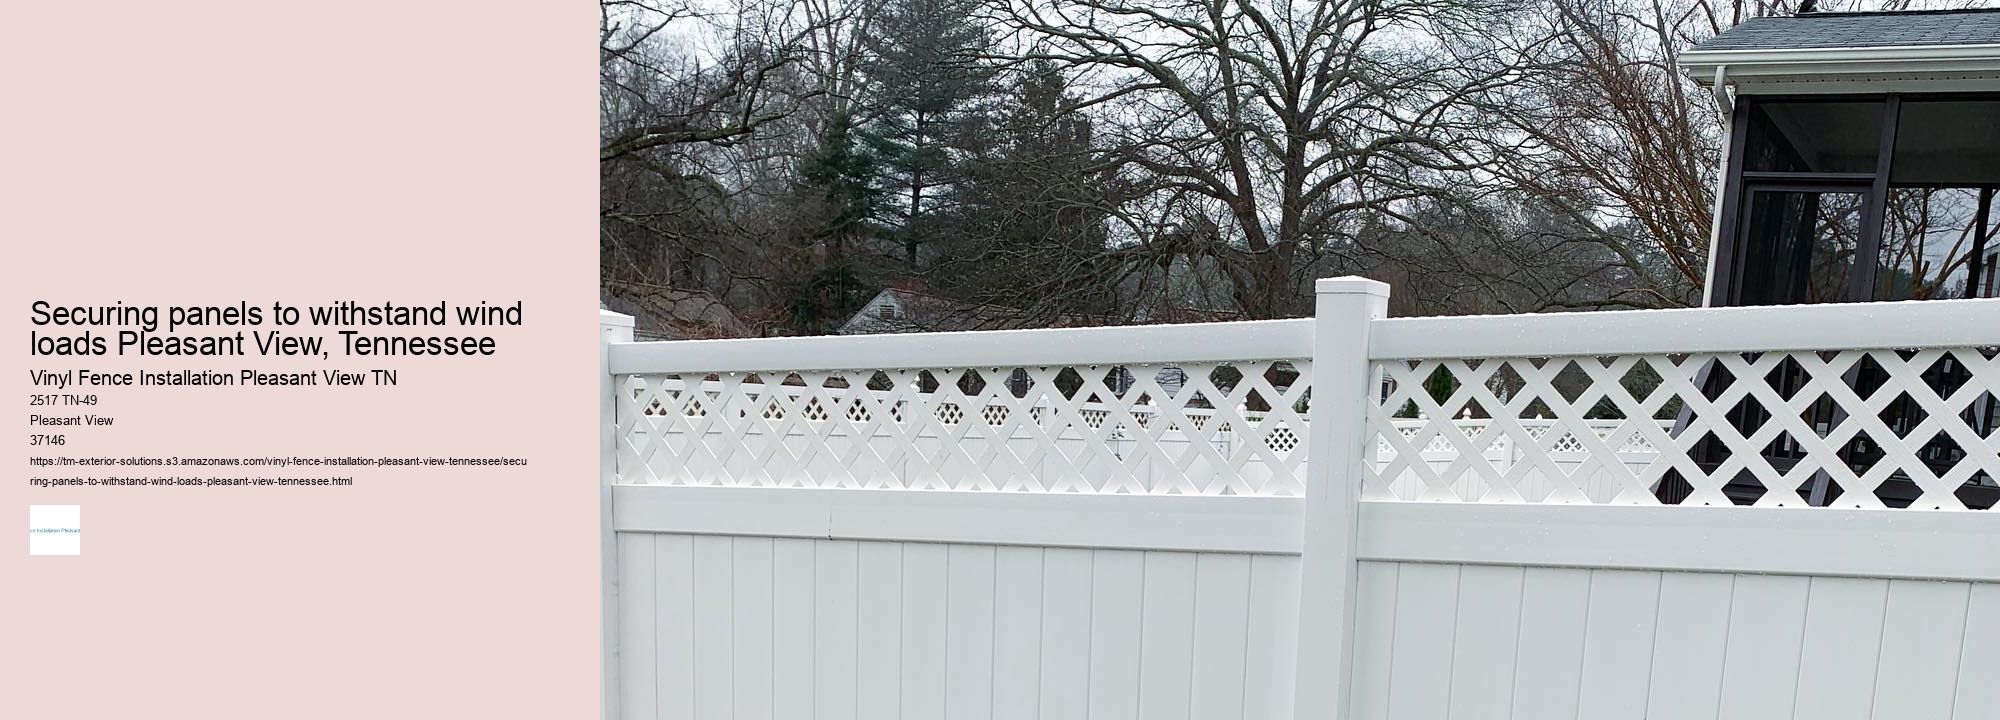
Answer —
1814 136
1845 199
1938 214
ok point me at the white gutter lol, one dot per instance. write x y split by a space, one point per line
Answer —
1981 59
1869 52
1720 86
1975 67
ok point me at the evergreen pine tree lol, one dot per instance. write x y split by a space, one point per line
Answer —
1030 219
840 176
925 87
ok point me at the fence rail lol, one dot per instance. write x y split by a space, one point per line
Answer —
1152 422
1882 405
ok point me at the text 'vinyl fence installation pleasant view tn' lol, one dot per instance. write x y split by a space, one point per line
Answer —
1751 513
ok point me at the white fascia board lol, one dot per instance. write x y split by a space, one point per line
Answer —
1928 61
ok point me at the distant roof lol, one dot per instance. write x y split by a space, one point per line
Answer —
1861 29
924 312
663 313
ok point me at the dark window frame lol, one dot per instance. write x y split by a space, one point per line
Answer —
1803 183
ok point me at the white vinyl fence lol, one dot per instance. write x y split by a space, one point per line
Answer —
1719 513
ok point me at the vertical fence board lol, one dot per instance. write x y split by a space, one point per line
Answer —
1222 607
1374 635
878 660
638 655
1116 592
1922 628
1978 695
714 651
925 626
1489 628
836 628
1065 680
673 625
1618 644
1017 632
792 595
1426 620
1555 604
1690 639
968 665
1843 641
1272 648
1166 657
753 633
1760 669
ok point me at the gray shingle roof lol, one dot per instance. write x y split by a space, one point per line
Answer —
1862 29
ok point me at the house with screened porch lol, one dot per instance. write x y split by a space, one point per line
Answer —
1863 160
1775 506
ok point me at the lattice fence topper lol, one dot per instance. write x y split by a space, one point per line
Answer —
1846 428
1190 428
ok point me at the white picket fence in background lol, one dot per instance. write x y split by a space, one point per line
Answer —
1299 519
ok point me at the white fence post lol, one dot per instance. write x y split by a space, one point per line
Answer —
1342 385
612 327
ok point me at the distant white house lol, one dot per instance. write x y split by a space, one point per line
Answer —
903 309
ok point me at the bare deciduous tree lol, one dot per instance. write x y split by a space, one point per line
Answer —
1621 141
1290 119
